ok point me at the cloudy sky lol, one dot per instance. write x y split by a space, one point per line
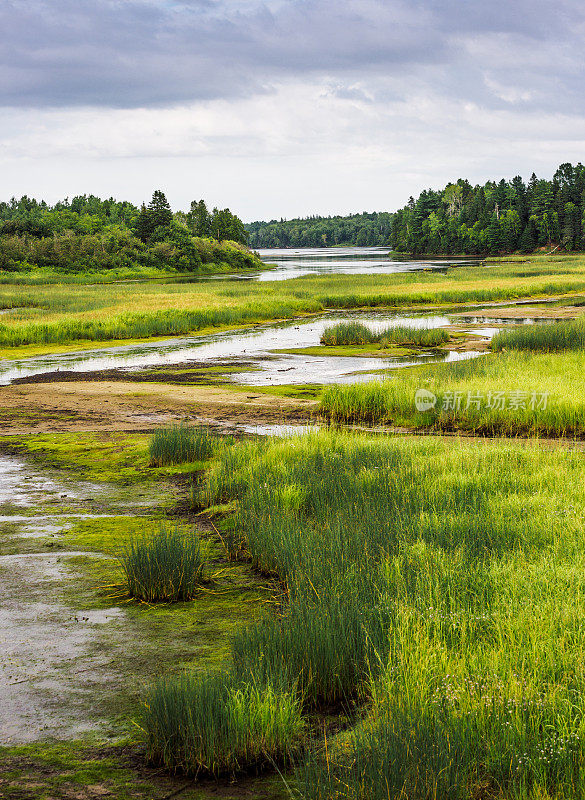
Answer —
285 107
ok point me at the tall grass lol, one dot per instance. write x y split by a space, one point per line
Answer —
566 335
103 313
440 583
176 444
166 565
212 725
350 333
510 394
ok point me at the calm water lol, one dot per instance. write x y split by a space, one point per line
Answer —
344 261
256 348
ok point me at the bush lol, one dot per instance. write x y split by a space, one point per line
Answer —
175 444
212 725
164 566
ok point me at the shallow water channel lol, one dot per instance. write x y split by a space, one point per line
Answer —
255 350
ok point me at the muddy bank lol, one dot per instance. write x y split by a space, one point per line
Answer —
126 405
75 650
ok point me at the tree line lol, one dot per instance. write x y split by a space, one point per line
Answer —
88 233
497 217
360 230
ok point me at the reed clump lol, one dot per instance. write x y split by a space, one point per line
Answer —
552 338
212 725
355 333
177 444
165 565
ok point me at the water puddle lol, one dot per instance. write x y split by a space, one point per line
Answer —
283 431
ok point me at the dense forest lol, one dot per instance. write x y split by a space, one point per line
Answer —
498 217
87 234
361 230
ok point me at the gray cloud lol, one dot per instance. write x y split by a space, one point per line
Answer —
149 53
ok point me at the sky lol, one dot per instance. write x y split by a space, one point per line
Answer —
285 108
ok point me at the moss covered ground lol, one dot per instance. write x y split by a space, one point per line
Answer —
109 475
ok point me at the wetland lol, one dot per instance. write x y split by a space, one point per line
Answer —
368 597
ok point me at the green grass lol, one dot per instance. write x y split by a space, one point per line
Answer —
207 725
438 582
166 565
510 394
55 315
350 333
552 338
176 444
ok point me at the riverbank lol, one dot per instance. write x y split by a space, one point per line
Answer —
53 317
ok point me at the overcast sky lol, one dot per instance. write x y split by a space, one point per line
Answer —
285 107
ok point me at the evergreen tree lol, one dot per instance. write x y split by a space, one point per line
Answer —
144 228
199 219
159 211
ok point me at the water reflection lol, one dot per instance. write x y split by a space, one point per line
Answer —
255 349
346 261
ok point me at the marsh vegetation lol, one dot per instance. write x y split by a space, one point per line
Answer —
53 315
178 443
408 617
429 582
164 565
348 333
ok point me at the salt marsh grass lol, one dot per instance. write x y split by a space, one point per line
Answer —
211 725
558 336
463 391
176 444
165 565
354 333
105 313
439 582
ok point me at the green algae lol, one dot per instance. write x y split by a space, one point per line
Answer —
58 769
362 350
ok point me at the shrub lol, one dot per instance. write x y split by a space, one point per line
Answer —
164 566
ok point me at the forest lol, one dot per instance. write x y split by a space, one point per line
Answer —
87 234
494 218
358 230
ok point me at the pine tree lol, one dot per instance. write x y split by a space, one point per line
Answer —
159 211
144 229
199 219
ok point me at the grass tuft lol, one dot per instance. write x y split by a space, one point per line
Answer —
211 725
164 566
175 444
350 333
